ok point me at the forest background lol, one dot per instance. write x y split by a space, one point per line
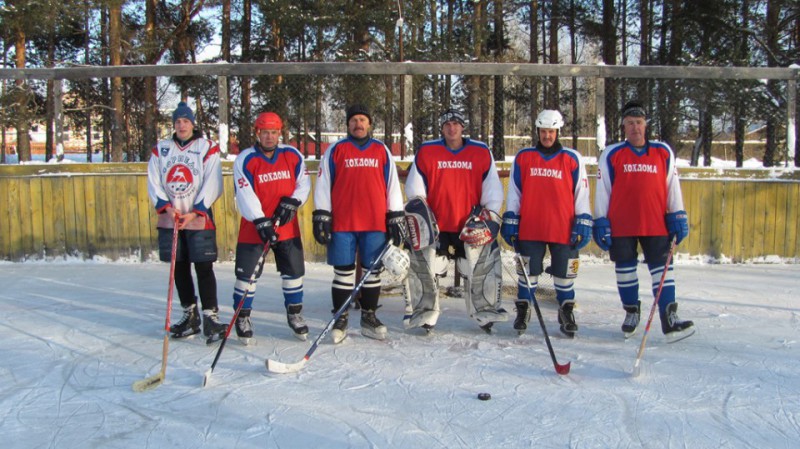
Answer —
123 117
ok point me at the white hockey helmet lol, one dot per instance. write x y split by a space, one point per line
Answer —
549 119
396 261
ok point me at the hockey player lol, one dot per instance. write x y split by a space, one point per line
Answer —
271 183
638 202
358 202
547 208
458 178
184 178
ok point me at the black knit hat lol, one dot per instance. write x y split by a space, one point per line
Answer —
358 109
452 115
633 109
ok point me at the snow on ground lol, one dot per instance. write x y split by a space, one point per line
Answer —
75 336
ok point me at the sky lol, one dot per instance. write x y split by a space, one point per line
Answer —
75 335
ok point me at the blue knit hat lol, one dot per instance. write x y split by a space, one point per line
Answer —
183 111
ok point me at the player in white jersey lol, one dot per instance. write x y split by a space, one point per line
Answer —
184 179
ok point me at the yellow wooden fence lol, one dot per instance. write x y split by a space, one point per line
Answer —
90 210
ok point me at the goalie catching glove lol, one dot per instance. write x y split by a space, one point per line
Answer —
481 227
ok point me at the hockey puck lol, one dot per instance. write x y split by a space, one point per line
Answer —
484 396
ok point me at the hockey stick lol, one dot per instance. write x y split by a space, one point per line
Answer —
560 369
154 381
636 367
277 367
258 268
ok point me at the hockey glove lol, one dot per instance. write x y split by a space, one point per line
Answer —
678 225
266 230
510 228
322 225
286 210
396 229
581 231
481 227
602 233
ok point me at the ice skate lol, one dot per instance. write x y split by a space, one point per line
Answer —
188 325
339 331
523 316
296 322
244 328
566 318
632 316
674 329
213 329
371 326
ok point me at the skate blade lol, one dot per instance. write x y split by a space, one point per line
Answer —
301 337
487 328
247 341
375 335
628 335
674 337
183 336
338 336
214 339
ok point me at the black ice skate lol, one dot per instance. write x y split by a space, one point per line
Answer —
188 325
632 316
244 329
523 316
674 329
566 318
296 322
213 329
371 326
339 331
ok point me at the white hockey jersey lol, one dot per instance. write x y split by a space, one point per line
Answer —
188 178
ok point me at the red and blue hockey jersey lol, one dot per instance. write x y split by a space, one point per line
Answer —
358 185
260 182
636 188
547 191
453 181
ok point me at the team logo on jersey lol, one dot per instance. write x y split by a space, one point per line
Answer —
361 162
464 165
164 151
274 176
546 173
179 180
639 168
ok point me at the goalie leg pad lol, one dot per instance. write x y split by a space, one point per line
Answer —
483 269
422 228
422 290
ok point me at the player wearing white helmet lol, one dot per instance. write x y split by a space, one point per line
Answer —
547 208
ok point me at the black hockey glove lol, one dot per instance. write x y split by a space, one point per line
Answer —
323 226
286 210
396 229
266 230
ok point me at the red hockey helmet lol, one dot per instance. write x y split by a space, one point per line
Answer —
268 120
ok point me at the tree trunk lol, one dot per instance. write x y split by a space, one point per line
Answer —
534 59
22 112
150 133
610 58
115 53
245 136
553 92
498 143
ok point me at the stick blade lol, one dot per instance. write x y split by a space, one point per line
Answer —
277 367
637 369
563 369
148 383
